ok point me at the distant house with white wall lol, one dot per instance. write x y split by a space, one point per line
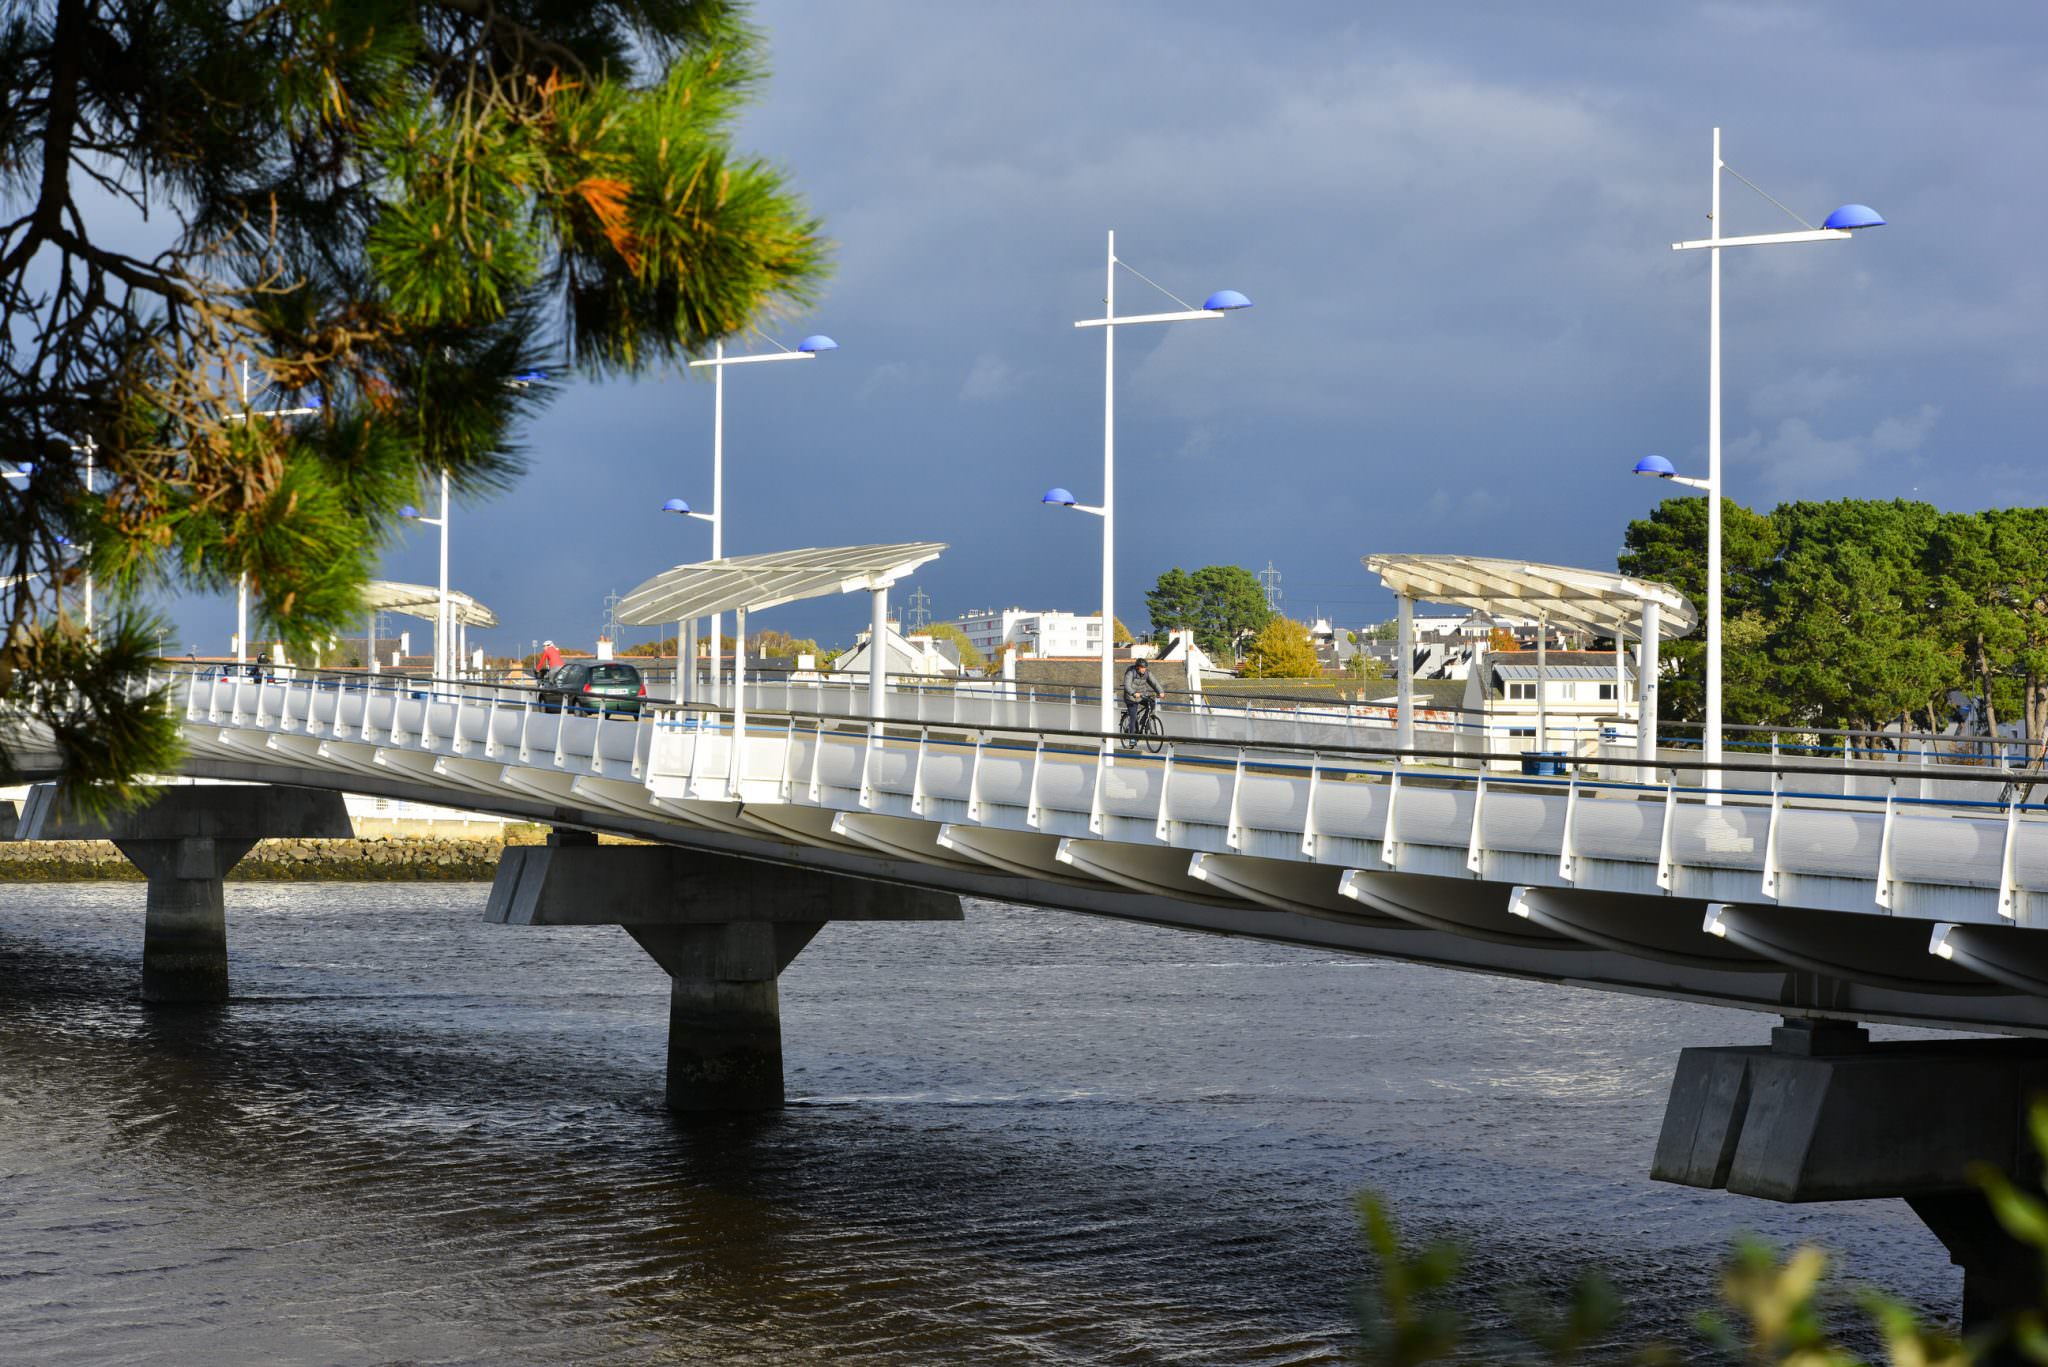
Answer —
1044 634
1579 694
918 654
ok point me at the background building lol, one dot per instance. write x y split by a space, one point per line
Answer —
916 653
1044 634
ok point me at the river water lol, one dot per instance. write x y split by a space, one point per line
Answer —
1032 1137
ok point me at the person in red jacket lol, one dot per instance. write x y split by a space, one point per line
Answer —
550 659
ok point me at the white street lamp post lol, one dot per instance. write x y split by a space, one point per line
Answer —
805 350
1215 306
686 631
1839 225
443 616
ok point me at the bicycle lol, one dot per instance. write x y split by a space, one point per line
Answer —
1146 729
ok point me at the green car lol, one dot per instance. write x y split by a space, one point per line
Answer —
591 686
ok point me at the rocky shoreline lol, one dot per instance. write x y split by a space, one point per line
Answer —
400 859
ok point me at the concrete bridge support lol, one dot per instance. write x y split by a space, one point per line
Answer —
1822 1114
723 928
185 842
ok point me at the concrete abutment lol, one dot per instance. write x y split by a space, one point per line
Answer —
723 928
186 841
1823 1114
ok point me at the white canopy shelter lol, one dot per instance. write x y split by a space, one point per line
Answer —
424 602
750 583
740 584
1595 600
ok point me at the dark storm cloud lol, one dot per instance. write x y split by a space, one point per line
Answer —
1454 223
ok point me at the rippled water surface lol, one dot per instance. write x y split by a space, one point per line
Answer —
1032 1137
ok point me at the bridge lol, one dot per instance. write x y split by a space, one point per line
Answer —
1896 886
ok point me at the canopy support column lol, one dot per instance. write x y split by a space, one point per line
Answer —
878 651
1620 673
1542 681
686 658
1404 672
1646 690
717 648
370 641
739 699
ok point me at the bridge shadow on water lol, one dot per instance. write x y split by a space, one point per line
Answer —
1027 1140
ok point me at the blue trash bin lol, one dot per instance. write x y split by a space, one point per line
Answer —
1544 763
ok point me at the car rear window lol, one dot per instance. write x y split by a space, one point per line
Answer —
613 674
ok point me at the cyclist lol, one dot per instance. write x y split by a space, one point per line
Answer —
1139 689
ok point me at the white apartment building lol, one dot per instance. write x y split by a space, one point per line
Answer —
1043 634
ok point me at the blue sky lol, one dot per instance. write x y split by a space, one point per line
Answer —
1454 222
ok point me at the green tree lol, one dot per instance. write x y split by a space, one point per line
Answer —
1171 604
1852 640
970 658
400 209
1282 650
1224 605
1670 546
1988 575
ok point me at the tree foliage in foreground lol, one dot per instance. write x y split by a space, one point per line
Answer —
1413 1308
1856 613
387 210
1413 1311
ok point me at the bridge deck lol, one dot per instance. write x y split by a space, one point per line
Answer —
1794 893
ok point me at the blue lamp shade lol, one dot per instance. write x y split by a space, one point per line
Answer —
1059 496
1226 299
817 342
1854 216
675 505
1656 465
408 511
26 468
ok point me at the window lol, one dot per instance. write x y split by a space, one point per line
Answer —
1521 692
1606 692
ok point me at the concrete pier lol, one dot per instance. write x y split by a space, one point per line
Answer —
723 928
185 842
1822 1114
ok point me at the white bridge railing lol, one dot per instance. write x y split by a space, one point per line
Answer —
1782 819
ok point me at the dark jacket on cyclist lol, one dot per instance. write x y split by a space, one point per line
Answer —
1138 686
